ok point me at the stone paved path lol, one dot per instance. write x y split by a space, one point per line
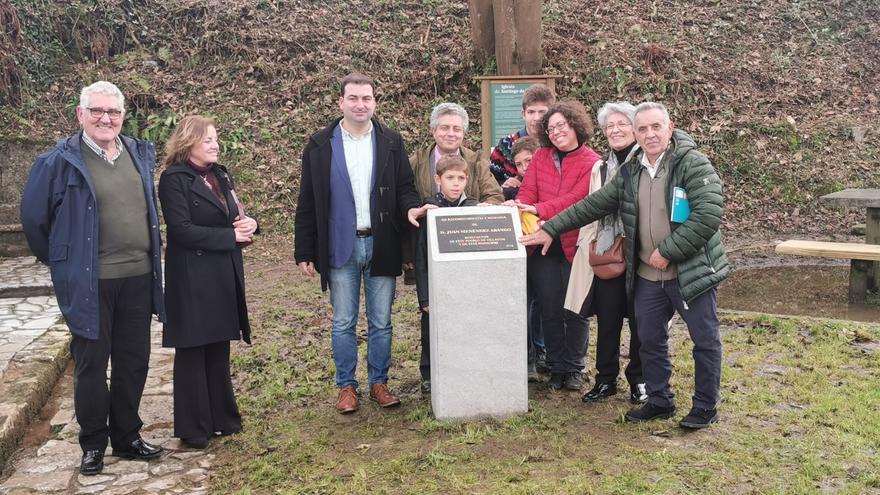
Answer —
53 467
33 349
22 320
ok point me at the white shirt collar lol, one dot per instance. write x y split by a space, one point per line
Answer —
652 169
100 151
348 135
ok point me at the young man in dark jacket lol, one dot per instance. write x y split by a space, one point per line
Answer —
355 193
451 179
674 262
89 211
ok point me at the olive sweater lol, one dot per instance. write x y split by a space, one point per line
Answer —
123 228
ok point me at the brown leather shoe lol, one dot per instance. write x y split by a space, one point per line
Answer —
379 392
347 401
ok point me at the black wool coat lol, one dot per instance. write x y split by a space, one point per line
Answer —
204 271
393 194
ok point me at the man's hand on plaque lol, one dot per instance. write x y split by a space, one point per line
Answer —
415 213
538 238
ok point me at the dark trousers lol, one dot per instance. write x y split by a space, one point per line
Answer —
425 360
125 307
655 303
204 401
611 306
565 332
534 329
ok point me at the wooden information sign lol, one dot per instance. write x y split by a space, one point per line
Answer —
501 105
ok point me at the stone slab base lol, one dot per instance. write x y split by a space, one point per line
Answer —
27 384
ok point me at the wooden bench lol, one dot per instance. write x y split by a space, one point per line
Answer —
860 256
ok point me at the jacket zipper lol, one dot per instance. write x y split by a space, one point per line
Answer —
709 258
651 222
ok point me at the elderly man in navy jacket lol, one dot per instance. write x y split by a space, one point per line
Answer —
356 190
89 212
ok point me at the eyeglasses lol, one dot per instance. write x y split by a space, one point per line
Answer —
617 125
97 113
558 127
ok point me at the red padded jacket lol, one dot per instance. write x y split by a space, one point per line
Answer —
551 191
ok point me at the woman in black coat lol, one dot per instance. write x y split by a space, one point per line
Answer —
204 280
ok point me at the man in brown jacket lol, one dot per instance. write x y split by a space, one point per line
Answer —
449 123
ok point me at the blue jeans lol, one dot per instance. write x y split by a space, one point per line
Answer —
345 288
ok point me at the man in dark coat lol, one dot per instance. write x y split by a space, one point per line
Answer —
356 191
89 211
674 255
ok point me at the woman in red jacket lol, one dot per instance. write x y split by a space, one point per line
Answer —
558 177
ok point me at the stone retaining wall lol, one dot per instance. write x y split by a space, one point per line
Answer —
16 158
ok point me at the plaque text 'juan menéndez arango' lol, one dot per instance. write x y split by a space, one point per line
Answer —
466 233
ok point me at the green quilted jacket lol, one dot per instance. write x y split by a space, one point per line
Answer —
694 246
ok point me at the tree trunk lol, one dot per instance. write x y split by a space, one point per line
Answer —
482 29
517 36
528 53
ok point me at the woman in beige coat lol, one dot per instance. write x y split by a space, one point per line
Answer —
607 299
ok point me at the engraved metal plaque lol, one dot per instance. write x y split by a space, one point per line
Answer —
468 233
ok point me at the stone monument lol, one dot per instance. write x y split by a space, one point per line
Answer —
477 296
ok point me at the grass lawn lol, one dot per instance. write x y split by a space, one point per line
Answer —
800 413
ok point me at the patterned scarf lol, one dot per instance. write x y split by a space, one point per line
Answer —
207 174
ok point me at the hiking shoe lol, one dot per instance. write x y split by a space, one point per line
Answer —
556 381
533 375
699 418
573 380
541 362
638 394
600 391
425 387
648 412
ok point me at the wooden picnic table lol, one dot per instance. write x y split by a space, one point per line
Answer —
870 200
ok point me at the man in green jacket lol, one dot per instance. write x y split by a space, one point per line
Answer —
674 256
